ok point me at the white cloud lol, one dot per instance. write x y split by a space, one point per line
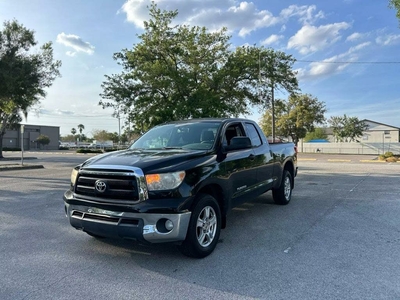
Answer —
355 36
76 43
273 39
358 47
243 17
306 14
311 39
332 65
388 39
56 112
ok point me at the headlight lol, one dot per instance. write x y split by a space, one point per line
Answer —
166 181
74 175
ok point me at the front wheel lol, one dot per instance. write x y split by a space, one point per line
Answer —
283 194
204 228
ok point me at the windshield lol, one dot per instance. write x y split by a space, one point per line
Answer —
193 136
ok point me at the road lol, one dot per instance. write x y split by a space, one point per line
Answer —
339 238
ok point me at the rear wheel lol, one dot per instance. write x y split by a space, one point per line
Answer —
204 228
283 194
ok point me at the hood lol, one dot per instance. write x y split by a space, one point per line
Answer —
147 160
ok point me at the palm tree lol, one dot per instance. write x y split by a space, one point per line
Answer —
73 131
81 127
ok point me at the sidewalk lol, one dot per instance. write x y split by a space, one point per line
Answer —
339 157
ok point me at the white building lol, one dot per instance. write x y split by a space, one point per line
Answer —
377 139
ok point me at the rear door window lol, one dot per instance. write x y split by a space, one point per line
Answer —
253 135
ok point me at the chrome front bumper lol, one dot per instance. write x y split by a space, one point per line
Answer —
139 226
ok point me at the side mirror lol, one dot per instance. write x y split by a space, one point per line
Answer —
239 143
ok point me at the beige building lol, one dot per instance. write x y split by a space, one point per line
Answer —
380 133
12 138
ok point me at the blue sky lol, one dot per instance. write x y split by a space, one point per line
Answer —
85 34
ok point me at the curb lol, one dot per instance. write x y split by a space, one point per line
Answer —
19 167
339 160
306 159
16 158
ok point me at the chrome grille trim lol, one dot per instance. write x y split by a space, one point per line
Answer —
111 171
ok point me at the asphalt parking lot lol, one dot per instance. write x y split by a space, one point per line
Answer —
339 238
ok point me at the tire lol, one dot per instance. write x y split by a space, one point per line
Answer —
283 194
204 228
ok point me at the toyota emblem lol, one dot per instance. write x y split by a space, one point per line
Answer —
100 186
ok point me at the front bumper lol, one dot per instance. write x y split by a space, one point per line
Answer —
144 227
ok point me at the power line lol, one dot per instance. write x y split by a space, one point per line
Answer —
348 62
55 116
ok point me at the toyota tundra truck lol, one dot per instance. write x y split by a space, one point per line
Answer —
178 182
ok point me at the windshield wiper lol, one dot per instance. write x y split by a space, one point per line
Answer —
168 148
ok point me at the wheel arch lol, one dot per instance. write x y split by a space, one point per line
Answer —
217 193
289 166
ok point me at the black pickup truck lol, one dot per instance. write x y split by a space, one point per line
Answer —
178 182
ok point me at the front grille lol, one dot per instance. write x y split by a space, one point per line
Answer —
112 186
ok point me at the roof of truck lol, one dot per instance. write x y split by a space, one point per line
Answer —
207 120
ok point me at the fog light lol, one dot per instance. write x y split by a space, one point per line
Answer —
169 225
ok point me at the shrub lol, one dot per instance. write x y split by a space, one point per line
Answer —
43 140
111 149
88 151
11 149
391 159
388 154
63 148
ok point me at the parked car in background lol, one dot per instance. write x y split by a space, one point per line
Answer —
101 144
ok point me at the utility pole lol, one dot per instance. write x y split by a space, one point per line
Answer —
273 112
119 129
22 145
272 84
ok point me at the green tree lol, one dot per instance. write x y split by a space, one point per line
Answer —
43 140
102 135
395 4
81 127
73 131
295 116
317 134
82 137
114 137
25 73
128 136
347 129
68 138
179 72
